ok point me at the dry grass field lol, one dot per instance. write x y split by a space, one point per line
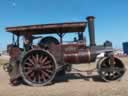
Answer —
72 84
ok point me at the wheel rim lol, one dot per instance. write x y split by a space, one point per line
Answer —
111 72
38 68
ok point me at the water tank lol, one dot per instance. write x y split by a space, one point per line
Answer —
125 47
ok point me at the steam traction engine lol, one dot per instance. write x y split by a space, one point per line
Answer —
37 65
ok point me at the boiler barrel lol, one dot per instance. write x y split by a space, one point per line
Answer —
82 56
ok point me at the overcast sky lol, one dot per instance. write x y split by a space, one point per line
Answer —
111 16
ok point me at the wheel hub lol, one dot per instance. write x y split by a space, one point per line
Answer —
37 67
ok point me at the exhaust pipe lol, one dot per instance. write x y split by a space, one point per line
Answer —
91 30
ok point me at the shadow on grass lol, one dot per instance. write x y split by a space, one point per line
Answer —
66 78
74 76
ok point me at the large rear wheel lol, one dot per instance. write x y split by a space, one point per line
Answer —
38 68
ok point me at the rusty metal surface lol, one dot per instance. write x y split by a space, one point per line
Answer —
14 52
48 28
76 53
72 53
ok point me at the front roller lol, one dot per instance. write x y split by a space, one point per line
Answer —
110 69
38 68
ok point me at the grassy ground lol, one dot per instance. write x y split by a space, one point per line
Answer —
72 84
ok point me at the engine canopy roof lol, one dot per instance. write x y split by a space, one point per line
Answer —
48 28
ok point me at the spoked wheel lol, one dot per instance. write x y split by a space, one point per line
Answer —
38 68
110 71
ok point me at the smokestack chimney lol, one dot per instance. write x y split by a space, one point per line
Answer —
91 30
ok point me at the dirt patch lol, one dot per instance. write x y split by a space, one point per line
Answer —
72 84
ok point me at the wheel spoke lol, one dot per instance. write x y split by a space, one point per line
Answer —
34 79
44 60
46 74
47 62
118 73
34 59
29 64
30 60
46 67
40 59
49 71
43 77
28 72
32 74
119 69
39 78
37 58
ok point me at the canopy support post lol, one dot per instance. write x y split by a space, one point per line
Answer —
18 37
13 39
61 35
